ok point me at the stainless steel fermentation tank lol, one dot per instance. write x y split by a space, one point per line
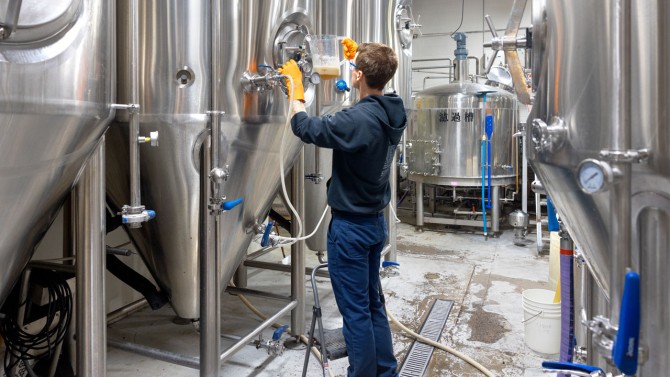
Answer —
386 21
600 146
176 81
445 133
56 91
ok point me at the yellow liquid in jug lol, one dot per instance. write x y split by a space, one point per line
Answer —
327 72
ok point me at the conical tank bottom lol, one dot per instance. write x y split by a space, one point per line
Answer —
55 96
169 244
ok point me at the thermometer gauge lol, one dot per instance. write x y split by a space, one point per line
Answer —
593 175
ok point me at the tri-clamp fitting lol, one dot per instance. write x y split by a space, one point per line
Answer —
257 82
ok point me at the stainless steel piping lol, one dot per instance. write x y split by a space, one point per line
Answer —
620 141
91 325
134 116
210 298
298 248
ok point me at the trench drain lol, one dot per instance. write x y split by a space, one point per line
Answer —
419 355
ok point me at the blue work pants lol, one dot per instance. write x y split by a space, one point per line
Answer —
354 251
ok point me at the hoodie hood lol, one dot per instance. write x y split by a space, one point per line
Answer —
395 120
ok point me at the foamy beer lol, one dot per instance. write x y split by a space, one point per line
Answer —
324 50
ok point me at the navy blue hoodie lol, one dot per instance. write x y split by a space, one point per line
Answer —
364 139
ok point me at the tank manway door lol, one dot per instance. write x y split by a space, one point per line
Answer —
290 41
27 21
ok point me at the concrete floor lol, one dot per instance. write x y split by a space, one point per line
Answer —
484 278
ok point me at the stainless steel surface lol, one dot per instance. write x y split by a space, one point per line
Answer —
175 34
54 106
611 113
91 324
298 248
445 132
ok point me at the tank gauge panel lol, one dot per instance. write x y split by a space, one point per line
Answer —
593 175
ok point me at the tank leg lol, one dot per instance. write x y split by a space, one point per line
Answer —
419 206
495 219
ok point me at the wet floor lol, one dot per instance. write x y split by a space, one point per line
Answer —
484 279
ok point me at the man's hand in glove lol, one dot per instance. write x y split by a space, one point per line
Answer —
349 47
290 68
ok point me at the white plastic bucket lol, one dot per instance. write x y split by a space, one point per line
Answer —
542 321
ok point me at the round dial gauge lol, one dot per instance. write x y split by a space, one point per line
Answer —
592 175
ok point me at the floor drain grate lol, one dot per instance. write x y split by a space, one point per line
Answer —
416 362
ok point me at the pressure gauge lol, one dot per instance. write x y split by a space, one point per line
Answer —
593 175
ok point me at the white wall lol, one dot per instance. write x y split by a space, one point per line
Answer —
441 18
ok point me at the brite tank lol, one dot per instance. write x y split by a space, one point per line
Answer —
175 78
445 134
584 119
55 93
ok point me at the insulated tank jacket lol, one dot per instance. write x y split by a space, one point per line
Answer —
363 139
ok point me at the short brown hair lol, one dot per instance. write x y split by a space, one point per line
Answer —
378 62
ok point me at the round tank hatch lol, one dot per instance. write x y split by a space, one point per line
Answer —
38 21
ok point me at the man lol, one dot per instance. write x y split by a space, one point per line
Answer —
364 139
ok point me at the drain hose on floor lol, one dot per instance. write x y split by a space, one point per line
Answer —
392 319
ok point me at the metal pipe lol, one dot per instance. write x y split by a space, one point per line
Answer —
460 70
390 217
524 169
620 140
476 59
291 306
253 292
133 111
495 220
298 248
419 204
126 311
210 298
431 60
90 265
155 353
276 267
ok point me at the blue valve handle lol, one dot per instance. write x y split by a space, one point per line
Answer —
342 86
265 240
278 333
564 365
227 206
151 213
625 351
388 263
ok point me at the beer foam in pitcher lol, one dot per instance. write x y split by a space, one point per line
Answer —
327 72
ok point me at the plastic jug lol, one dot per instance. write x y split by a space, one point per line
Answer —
325 52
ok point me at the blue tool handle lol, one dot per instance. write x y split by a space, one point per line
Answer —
627 339
265 240
564 365
387 263
278 333
227 206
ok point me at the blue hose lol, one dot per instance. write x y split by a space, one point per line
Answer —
484 184
489 133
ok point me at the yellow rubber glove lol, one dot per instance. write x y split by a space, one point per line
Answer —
349 48
291 68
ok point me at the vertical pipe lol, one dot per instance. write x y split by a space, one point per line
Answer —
298 248
215 115
390 217
524 170
419 204
620 197
483 161
90 286
133 112
495 211
210 299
